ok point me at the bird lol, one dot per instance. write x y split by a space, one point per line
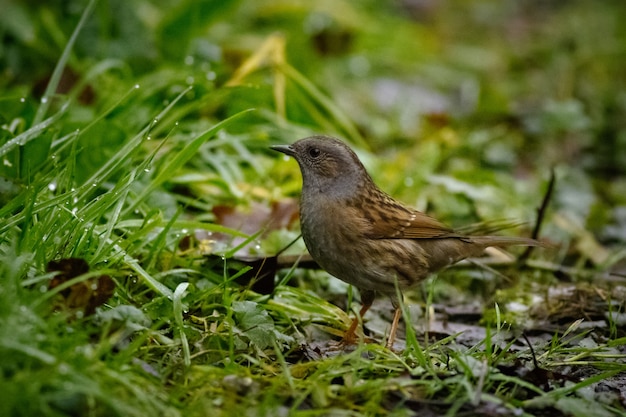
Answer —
361 235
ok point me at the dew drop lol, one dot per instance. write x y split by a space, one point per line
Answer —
52 186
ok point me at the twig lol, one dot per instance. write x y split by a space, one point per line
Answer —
532 351
495 264
541 213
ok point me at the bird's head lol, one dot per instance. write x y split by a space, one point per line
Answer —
328 165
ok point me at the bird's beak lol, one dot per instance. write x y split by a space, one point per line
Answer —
286 149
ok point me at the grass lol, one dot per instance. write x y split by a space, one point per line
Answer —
142 177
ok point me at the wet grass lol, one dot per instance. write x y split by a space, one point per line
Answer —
141 205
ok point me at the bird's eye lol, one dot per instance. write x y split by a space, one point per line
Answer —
314 152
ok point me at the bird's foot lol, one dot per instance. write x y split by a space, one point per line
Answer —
350 338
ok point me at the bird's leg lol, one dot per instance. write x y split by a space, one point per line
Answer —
350 336
367 299
396 303
394 328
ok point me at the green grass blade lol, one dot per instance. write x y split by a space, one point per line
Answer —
58 70
179 292
181 158
33 133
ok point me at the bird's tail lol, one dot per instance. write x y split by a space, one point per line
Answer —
502 241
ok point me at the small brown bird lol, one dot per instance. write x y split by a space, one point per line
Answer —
364 237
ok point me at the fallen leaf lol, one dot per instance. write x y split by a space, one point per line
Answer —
83 297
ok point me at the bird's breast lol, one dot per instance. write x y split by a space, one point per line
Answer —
334 235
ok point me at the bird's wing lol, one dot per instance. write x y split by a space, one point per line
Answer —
400 222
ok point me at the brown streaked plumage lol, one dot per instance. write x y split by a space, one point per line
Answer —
361 235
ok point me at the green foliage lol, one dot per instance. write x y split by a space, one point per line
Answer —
134 136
